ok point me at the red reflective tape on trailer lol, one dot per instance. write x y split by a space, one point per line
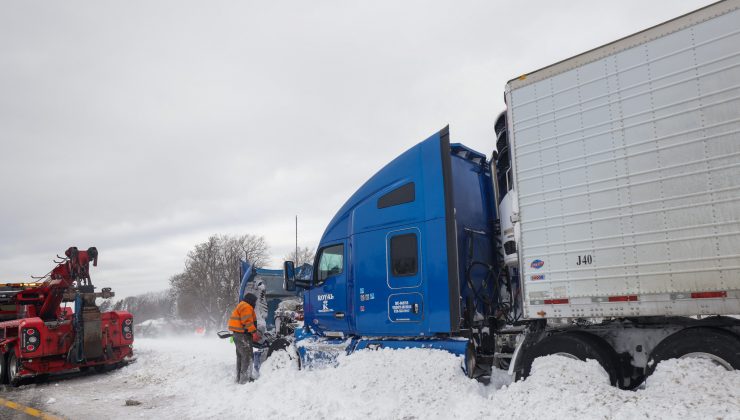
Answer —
627 298
556 301
707 295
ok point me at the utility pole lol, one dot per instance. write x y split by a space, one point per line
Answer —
296 239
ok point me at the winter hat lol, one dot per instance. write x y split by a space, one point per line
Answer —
250 299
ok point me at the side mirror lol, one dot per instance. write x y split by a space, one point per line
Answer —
289 276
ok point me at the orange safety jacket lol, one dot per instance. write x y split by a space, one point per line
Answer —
243 319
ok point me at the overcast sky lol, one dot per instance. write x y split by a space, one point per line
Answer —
143 127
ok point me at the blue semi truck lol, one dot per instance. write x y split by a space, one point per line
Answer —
605 225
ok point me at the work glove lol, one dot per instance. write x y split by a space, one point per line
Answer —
256 337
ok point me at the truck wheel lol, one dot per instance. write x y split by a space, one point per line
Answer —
471 362
102 368
575 345
3 369
13 369
719 346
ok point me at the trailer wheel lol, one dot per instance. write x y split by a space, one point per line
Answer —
719 346
575 345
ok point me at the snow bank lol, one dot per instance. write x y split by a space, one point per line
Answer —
407 384
689 388
193 379
381 384
565 388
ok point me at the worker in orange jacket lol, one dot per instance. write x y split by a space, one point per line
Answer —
243 323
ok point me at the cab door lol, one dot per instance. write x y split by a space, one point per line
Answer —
328 294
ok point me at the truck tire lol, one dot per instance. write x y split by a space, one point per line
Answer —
720 346
472 370
103 368
3 369
13 369
576 345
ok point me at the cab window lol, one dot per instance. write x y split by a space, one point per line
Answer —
404 255
331 262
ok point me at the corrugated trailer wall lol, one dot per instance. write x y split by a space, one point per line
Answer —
627 171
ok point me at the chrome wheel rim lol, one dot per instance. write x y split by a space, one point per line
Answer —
568 355
12 367
708 356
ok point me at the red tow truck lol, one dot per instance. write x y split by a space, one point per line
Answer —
40 335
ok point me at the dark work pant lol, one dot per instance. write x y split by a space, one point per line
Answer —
243 357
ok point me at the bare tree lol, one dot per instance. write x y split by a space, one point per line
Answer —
304 255
254 248
206 291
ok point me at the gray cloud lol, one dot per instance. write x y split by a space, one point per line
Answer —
142 127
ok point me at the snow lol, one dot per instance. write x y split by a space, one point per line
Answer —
565 388
192 378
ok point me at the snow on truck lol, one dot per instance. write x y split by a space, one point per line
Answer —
606 225
39 336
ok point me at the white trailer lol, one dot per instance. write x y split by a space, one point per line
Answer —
619 192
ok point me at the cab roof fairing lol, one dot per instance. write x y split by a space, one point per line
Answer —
424 157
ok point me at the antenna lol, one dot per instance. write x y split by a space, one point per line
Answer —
296 239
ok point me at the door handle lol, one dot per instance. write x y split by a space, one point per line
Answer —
339 315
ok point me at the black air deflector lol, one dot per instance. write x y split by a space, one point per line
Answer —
404 194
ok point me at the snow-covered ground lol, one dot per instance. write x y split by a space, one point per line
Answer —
192 378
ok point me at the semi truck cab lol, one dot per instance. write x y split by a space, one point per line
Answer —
411 252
